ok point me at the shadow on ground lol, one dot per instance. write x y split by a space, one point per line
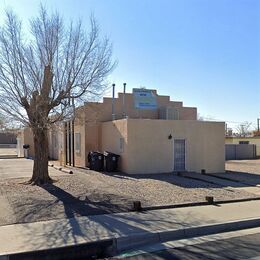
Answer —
86 205
235 179
65 205
246 178
79 195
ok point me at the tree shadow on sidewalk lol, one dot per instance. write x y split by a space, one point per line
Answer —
74 229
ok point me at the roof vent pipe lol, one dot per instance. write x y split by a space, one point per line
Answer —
124 110
113 102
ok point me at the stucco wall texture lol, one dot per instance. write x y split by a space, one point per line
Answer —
102 112
90 117
147 148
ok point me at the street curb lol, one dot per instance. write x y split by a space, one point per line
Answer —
116 245
9 157
141 239
78 251
196 204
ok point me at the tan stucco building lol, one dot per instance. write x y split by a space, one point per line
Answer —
163 146
162 140
166 139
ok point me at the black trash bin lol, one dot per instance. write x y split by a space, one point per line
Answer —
96 161
26 150
111 161
26 146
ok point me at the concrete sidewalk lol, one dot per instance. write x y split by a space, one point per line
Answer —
21 168
127 230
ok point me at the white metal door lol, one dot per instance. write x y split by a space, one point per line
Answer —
179 155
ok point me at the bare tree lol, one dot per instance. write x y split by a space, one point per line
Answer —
2 123
43 71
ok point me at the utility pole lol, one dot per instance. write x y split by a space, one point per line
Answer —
258 122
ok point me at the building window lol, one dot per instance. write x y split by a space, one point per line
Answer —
77 143
243 142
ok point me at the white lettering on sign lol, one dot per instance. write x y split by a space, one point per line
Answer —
144 99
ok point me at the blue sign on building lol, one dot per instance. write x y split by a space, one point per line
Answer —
144 99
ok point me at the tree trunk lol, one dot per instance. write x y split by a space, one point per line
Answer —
40 167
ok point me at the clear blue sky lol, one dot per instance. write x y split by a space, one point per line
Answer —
205 53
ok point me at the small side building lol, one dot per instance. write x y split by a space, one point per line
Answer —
163 146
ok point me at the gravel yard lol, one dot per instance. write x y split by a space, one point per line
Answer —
88 192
